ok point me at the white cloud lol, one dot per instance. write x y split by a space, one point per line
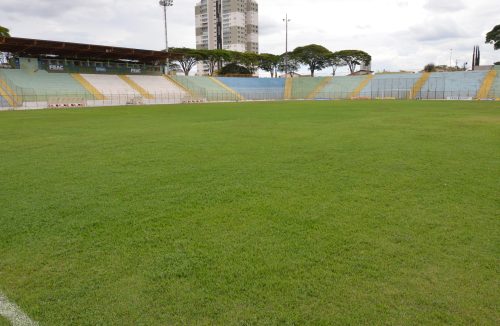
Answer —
445 5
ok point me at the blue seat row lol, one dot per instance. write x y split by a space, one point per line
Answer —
452 84
257 88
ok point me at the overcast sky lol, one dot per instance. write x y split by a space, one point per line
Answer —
399 34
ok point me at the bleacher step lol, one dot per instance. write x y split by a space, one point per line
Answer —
319 88
288 88
89 87
144 93
419 84
484 91
227 88
361 86
8 94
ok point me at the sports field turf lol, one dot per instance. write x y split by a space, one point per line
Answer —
254 213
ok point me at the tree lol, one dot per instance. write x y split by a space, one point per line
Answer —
335 61
291 65
313 55
248 60
493 37
430 67
4 32
354 58
214 57
270 63
234 69
187 58
174 66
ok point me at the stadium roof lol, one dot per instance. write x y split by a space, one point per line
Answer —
34 48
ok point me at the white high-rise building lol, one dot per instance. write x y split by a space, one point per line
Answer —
240 26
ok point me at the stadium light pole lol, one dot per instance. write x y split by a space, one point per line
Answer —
286 20
165 4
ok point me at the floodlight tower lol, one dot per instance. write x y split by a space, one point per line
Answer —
165 4
286 20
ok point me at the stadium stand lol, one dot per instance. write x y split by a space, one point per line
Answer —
36 86
3 102
111 86
417 87
138 88
91 89
340 87
158 85
390 86
8 98
257 88
205 88
357 91
302 88
495 87
485 88
288 89
452 85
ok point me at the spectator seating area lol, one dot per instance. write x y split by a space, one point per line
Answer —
158 85
3 102
206 87
340 87
494 92
110 85
442 85
304 88
390 86
34 88
256 88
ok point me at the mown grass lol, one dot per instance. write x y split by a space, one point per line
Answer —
4 322
254 213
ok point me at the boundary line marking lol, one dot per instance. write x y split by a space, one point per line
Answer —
13 313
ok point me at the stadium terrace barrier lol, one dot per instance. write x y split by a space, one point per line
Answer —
65 102
24 90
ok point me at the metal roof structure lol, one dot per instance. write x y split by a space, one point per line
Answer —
24 47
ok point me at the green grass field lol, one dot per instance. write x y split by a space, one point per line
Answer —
255 214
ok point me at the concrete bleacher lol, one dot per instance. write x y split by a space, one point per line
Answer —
158 85
303 87
495 87
340 87
256 88
206 87
35 86
3 102
396 86
111 86
442 85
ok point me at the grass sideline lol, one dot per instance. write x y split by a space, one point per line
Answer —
253 213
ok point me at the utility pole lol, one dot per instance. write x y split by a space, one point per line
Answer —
286 20
218 16
165 4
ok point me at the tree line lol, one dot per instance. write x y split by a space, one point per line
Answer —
225 62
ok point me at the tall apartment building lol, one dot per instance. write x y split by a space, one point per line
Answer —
240 25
